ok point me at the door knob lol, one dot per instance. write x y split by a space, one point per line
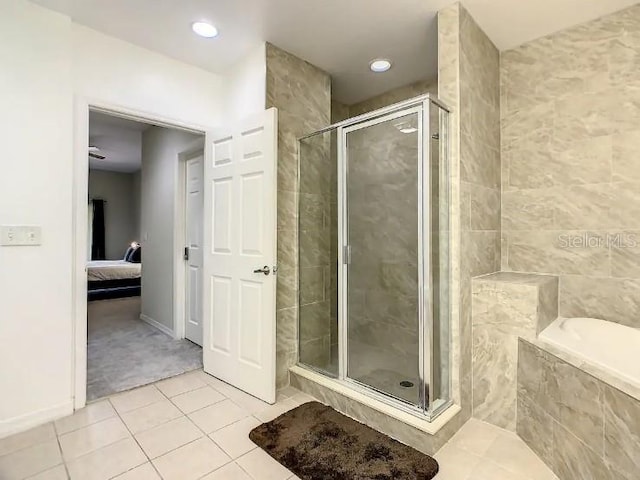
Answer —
266 270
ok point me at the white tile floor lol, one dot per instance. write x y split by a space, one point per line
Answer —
194 427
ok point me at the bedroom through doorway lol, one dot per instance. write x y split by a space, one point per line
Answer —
143 257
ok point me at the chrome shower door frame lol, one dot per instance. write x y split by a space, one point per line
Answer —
421 106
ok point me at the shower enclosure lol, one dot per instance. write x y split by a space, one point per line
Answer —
373 243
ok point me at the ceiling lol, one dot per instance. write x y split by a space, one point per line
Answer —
339 36
119 140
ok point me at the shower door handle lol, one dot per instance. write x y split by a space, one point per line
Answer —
346 255
266 270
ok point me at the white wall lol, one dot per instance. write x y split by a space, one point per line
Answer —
121 220
35 188
114 71
45 60
246 85
159 183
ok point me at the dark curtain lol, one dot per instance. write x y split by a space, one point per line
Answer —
98 248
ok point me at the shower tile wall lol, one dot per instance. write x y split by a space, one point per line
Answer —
394 96
302 94
571 164
506 306
469 82
340 111
318 240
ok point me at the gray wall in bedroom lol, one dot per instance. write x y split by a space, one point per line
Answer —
137 203
121 220
159 181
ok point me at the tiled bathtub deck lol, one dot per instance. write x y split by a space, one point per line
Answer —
194 427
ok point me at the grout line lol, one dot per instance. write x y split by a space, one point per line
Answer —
97 449
118 415
134 439
37 442
105 399
174 449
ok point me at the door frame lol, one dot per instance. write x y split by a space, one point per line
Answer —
180 238
80 191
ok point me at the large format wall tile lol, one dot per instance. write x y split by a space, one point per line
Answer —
469 82
537 381
535 427
622 431
495 349
570 121
625 253
613 299
548 252
626 160
580 398
505 306
394 96
582 427
302 94
547 162
573 459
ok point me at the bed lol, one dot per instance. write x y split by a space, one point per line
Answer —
114 278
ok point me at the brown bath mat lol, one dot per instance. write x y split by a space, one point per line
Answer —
318 443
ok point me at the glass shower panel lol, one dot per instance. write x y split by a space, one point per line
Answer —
317 254
439 390
382 222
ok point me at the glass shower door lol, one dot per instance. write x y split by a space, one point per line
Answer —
382 223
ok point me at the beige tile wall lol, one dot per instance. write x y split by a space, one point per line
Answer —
341 111
394 96
581 427
469 83
505 306
302 94
318 250
570 116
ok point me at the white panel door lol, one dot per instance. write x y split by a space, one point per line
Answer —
194 205
240 238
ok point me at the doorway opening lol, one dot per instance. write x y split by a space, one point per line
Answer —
144 255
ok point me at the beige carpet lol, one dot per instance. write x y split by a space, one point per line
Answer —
124 352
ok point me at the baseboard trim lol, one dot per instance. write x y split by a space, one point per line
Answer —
154 323
35 419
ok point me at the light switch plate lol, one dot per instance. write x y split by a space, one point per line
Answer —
20 235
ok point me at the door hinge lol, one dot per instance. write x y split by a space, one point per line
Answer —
186 254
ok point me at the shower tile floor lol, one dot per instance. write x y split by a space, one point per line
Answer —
194 426
371 372
389 381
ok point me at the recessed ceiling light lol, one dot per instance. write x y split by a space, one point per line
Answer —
380 65
409 130
204 29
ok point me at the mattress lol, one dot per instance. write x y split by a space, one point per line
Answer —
100 270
